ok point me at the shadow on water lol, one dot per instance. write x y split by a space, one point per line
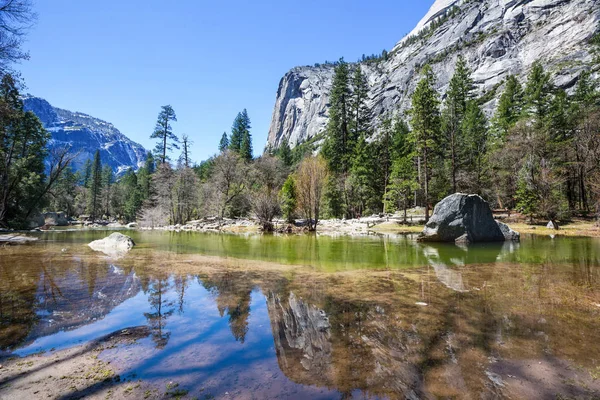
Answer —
381 317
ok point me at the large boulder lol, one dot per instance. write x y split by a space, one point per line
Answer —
115 245
56 219
465 218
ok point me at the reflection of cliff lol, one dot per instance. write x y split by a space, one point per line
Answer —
300 332
54 297
358 348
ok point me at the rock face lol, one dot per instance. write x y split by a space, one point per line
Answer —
496 37
115 245
86 134
464 218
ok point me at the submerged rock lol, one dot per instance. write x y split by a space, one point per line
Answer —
465 218
16 239
116 244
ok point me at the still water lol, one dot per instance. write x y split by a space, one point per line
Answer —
317 317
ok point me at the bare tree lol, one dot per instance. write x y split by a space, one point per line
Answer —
268 177
59 159
310 180
185 195
16 17
226 184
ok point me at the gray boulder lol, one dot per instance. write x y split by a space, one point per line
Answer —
508 233
56 219
35 221
464 218
115 245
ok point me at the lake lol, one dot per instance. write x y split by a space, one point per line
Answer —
251 316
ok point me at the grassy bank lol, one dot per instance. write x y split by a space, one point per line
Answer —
576 228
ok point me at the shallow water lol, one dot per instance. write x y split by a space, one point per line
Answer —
315 317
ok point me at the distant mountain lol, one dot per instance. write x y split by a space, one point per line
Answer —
86 134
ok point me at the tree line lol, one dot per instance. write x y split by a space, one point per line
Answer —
537 154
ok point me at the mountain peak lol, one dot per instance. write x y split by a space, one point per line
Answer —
85 135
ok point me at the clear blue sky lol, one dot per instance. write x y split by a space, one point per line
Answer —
121 60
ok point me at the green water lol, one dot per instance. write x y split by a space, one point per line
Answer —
309 316
327 253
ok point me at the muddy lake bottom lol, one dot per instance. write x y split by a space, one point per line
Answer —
215 316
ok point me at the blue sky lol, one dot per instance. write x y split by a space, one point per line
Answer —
121 60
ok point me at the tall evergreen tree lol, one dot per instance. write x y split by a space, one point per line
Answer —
475 142
87 172
426 125
359 117
337 148
459 93
246 146
586 94
538 92
285 153
224 143
108 180
95 187
240 129
510 109
163 131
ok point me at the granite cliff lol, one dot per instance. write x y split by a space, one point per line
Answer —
496 37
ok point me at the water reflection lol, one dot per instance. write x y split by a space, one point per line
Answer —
297 332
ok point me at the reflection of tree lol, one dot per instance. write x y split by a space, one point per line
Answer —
233 296
163 308
181 284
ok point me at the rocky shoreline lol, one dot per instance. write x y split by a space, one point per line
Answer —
332 227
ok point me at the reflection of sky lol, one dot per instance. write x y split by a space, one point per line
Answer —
128 314
203 356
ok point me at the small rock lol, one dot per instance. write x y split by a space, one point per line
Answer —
552 225
420 303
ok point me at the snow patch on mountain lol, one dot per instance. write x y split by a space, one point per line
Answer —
85 135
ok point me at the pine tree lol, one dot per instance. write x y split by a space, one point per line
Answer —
285 153
426 125
337 148
359 112
361 179
150 163
133 195
240 129
460 91
87 172
586 94
246 147
538 93
224 143
287 197
510 109
164 132
475 142
108 179
403 180
95 187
